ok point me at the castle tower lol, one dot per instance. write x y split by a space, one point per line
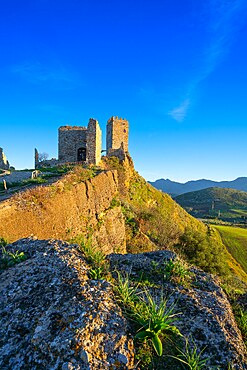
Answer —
36 158
94 142
4 163
117 134
72 141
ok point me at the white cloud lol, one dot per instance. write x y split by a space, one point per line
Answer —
38 73
223 21
180 112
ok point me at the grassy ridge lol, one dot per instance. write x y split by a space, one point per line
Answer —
226 204
235 239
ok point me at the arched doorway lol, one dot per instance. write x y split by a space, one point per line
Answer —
81 154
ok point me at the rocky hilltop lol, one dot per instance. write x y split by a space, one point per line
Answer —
86 203
103 259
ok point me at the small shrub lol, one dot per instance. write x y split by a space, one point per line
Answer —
126 293
115 203
153 320
96 259
3 242
176 270
79 174
241 318
204 251
10 259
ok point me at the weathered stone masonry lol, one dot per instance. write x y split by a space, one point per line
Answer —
94 142
117 134
84 144
72 142
4 164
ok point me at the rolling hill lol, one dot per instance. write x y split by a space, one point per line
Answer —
175 188
235 239
225 204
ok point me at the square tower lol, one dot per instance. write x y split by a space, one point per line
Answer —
117 134
72 142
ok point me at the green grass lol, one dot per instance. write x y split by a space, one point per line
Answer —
153 320
99 266
191 357
235 239
241 318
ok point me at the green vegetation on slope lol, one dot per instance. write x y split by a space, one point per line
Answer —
235 239
204 250
159 217
225 204
155 221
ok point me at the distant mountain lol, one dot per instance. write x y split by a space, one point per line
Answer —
225 204
175 188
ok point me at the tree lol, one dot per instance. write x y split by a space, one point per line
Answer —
43 157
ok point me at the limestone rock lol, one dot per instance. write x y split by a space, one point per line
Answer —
54 317
205 314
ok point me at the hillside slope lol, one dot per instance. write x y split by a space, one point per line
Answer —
235 239
82 203
117 211
226 204
154 221
176 188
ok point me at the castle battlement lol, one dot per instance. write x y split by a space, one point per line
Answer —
117 119
68 128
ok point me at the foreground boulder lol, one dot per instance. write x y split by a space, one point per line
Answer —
54 317
204 313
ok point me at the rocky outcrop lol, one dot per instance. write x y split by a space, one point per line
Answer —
204 314
66 209
54 317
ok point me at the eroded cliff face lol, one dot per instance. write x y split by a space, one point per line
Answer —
67 209
91 208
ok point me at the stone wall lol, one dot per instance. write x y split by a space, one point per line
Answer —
94 142
84 144
70 140
117 134
4 164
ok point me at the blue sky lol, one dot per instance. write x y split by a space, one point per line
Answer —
177 70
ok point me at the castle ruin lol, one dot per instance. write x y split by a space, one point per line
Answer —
4 163
84 144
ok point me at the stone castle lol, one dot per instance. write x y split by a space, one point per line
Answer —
84 144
